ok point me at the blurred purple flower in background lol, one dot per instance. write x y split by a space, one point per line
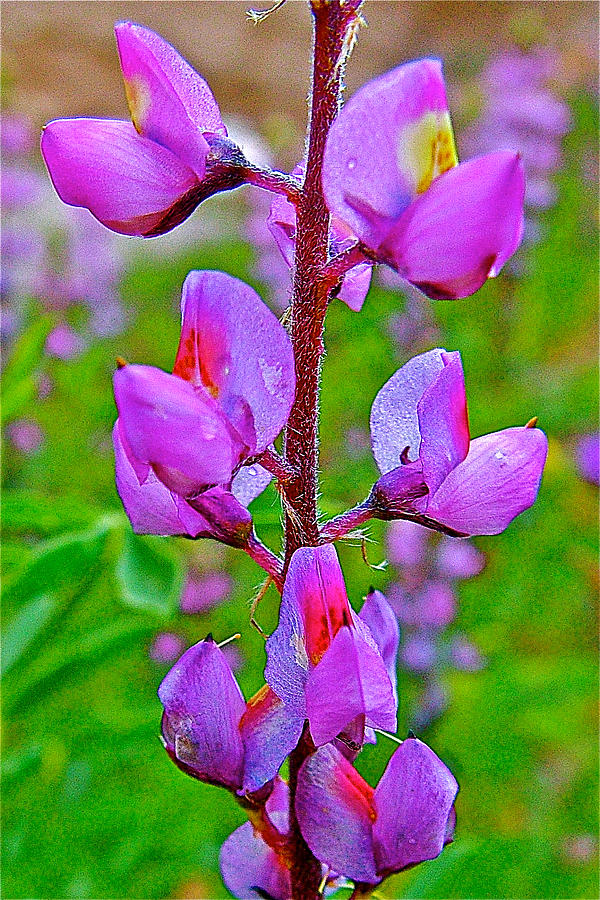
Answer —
46 249
521 112
166 648
25 435
423 597
587 457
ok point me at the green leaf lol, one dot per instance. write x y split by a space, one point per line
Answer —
18 762
19 384
59 661
25 627
149 578
62 564
30 512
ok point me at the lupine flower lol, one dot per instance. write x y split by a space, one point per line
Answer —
144 176
180 439
432 471
166 647
322 659
26 435
282 224
249 866
213 734
465 655
433 606
64 343
203 590
368 834
587 457
390 174
520 112
32 222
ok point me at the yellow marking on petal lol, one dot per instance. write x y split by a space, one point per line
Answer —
427 149
138 101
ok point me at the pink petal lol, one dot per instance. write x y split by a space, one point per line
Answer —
499 479
233 345
251 869
335 811
150 506
388 142
249 482
229 521
314 606
443 422
414 800
168 101
394 420
203 706
381 621
175 429
462 229
128 182
282 225
350 680
270 730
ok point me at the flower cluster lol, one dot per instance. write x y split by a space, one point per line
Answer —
195 446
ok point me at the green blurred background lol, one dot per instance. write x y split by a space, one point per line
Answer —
92 806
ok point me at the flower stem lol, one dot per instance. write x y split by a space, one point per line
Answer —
266 559
276 182
276 465
346 522
334 23
337 267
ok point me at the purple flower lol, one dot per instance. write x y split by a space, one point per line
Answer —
433 606
16 136
64 343
146 176
252 868
166 647
203 591
390 174
180 439
282 224
587 457
465 655
322 659
419 652
521 113
213 734
368 834
432 472
26 435
458 559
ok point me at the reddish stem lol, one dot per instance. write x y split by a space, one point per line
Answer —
346 522
333 24
276 465
266 559
277 182
337 267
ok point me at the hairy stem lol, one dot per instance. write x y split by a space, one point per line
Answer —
346 522
266 559
334 22
277 182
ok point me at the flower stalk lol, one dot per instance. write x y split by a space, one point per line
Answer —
333 20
